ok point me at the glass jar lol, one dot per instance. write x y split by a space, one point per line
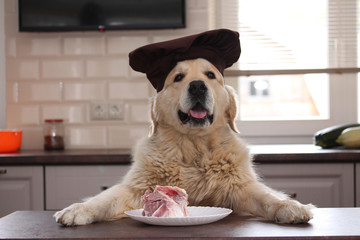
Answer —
54 134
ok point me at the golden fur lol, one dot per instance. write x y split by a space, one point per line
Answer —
208 160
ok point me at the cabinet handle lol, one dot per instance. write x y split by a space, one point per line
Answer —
3 171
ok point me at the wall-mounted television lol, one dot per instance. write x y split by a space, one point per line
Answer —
84 15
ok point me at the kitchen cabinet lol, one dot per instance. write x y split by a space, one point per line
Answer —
357 178
21 188
324 177
324 185
69 184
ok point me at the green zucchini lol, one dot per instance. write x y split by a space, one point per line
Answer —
326 138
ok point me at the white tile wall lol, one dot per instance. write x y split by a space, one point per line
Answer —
38 47
22 115
135 74
58 75
84 91
126 136
124 45
11 47
129 90
32 137
140 112
107 67
60 69
23 69
12 92
85 137
84 46
39 91
74 113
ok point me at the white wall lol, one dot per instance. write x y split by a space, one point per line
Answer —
59 75
2 68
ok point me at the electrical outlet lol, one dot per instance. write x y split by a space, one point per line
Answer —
116 110
99 111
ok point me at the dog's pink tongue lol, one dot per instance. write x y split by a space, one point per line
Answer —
197 114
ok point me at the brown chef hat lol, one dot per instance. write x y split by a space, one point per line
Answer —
220 47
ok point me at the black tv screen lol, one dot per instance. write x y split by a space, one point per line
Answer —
75 15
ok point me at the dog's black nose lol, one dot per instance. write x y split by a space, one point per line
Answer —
197 87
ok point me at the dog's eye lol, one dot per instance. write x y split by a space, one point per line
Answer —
179 77
210 75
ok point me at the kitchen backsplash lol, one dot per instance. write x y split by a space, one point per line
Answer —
60 75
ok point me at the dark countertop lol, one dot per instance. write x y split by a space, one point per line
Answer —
67 157
328 223
305 153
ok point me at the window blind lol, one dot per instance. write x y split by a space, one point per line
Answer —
343 32
292 37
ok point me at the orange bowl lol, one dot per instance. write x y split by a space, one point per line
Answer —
10 140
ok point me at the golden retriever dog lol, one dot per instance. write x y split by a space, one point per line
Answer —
194 144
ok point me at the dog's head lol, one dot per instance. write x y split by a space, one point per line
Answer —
194 99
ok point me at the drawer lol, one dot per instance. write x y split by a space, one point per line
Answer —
324 185
69 184
21 188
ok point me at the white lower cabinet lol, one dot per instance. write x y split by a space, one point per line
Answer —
357 179
21 188
69 184
324 185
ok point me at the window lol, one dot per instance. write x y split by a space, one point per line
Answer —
298 68
284 97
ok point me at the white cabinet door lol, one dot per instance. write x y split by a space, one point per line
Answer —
69 184
357 177
21 188
324 185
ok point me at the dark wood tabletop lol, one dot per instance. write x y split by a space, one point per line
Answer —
328 223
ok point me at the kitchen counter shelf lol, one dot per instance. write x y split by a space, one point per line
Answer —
67 157
305 153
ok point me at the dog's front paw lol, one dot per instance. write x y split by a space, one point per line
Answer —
291 211
75 214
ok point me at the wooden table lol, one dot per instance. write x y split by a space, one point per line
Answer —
328 223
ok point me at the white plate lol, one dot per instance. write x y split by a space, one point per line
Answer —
198 216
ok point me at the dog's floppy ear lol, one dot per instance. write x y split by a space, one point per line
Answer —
231 112
153 116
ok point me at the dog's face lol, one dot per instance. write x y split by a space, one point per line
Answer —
194 98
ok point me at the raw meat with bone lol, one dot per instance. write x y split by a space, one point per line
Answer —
165 201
